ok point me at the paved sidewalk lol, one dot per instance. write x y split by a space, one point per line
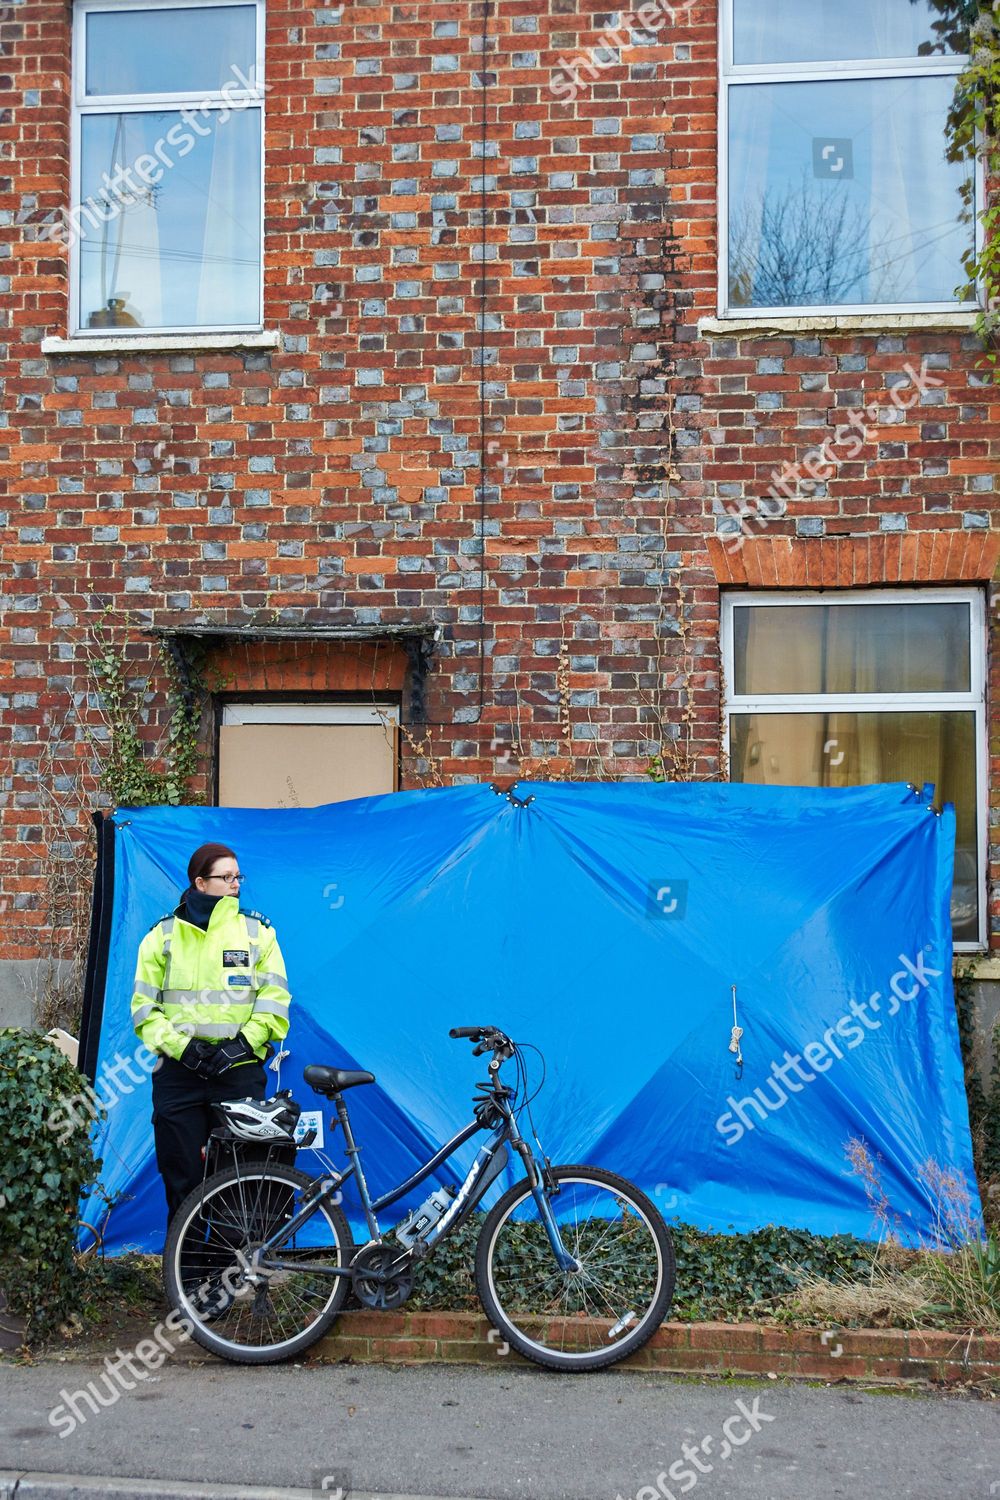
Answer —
500 1433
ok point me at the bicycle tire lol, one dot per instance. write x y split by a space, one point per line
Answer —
515 1268
231 1211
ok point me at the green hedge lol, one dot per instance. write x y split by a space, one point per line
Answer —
46 1164
719 1276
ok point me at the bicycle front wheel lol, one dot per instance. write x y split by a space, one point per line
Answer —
587 1318
255 1316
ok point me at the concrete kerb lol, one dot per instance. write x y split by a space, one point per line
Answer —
39 1486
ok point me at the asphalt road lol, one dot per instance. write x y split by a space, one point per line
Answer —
498 1432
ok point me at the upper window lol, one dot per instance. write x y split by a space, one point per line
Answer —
166 225
855 688
839 197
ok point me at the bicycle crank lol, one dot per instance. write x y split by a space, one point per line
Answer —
383 1277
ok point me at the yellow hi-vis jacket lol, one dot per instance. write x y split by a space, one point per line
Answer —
212 983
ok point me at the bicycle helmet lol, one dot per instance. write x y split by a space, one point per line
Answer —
261 1119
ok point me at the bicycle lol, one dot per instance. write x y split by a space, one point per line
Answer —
574 1265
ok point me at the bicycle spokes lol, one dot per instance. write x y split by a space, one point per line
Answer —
618 1280
250 1297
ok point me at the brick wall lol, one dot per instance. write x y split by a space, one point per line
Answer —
334 480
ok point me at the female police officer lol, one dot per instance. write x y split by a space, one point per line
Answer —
210 994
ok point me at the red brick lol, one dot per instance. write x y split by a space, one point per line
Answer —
725 1336
673 1336
933 1344
847 1367
321 500
373 1324
885 1342
404 1351
447 1325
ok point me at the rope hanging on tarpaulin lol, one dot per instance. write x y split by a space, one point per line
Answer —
734 1040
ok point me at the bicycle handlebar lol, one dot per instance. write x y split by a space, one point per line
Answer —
487 1039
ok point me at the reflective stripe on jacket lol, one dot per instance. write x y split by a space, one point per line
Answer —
212 983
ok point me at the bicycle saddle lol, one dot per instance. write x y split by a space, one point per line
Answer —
331 1081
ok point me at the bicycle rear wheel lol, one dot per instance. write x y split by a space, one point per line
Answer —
212 1238
585 1319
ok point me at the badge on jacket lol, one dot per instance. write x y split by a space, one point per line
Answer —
235 958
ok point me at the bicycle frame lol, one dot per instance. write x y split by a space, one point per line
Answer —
485 1169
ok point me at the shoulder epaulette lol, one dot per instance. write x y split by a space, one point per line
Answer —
245 911
164 918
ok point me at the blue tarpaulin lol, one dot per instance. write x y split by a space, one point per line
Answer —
606 924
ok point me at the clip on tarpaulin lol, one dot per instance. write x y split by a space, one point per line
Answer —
929 789
924 796
734 1040
508 792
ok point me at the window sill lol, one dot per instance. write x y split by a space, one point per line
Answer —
764 326
155 343
986 963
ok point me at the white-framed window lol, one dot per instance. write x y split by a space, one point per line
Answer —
856 687
282 754
834 190
166 223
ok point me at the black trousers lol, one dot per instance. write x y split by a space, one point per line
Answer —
183 1119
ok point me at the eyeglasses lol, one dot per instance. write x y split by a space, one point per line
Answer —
229 879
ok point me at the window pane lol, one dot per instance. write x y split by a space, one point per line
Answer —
852 749
170 51
852 648
839 193
826 30
179 247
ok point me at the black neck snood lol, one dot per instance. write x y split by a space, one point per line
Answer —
199 906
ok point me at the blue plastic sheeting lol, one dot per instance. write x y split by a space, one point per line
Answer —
606 924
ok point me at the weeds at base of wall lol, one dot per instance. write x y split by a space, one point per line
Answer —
953 1283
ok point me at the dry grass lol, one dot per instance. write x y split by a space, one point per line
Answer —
889 1298
954 1282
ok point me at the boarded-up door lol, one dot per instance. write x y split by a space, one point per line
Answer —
303 754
